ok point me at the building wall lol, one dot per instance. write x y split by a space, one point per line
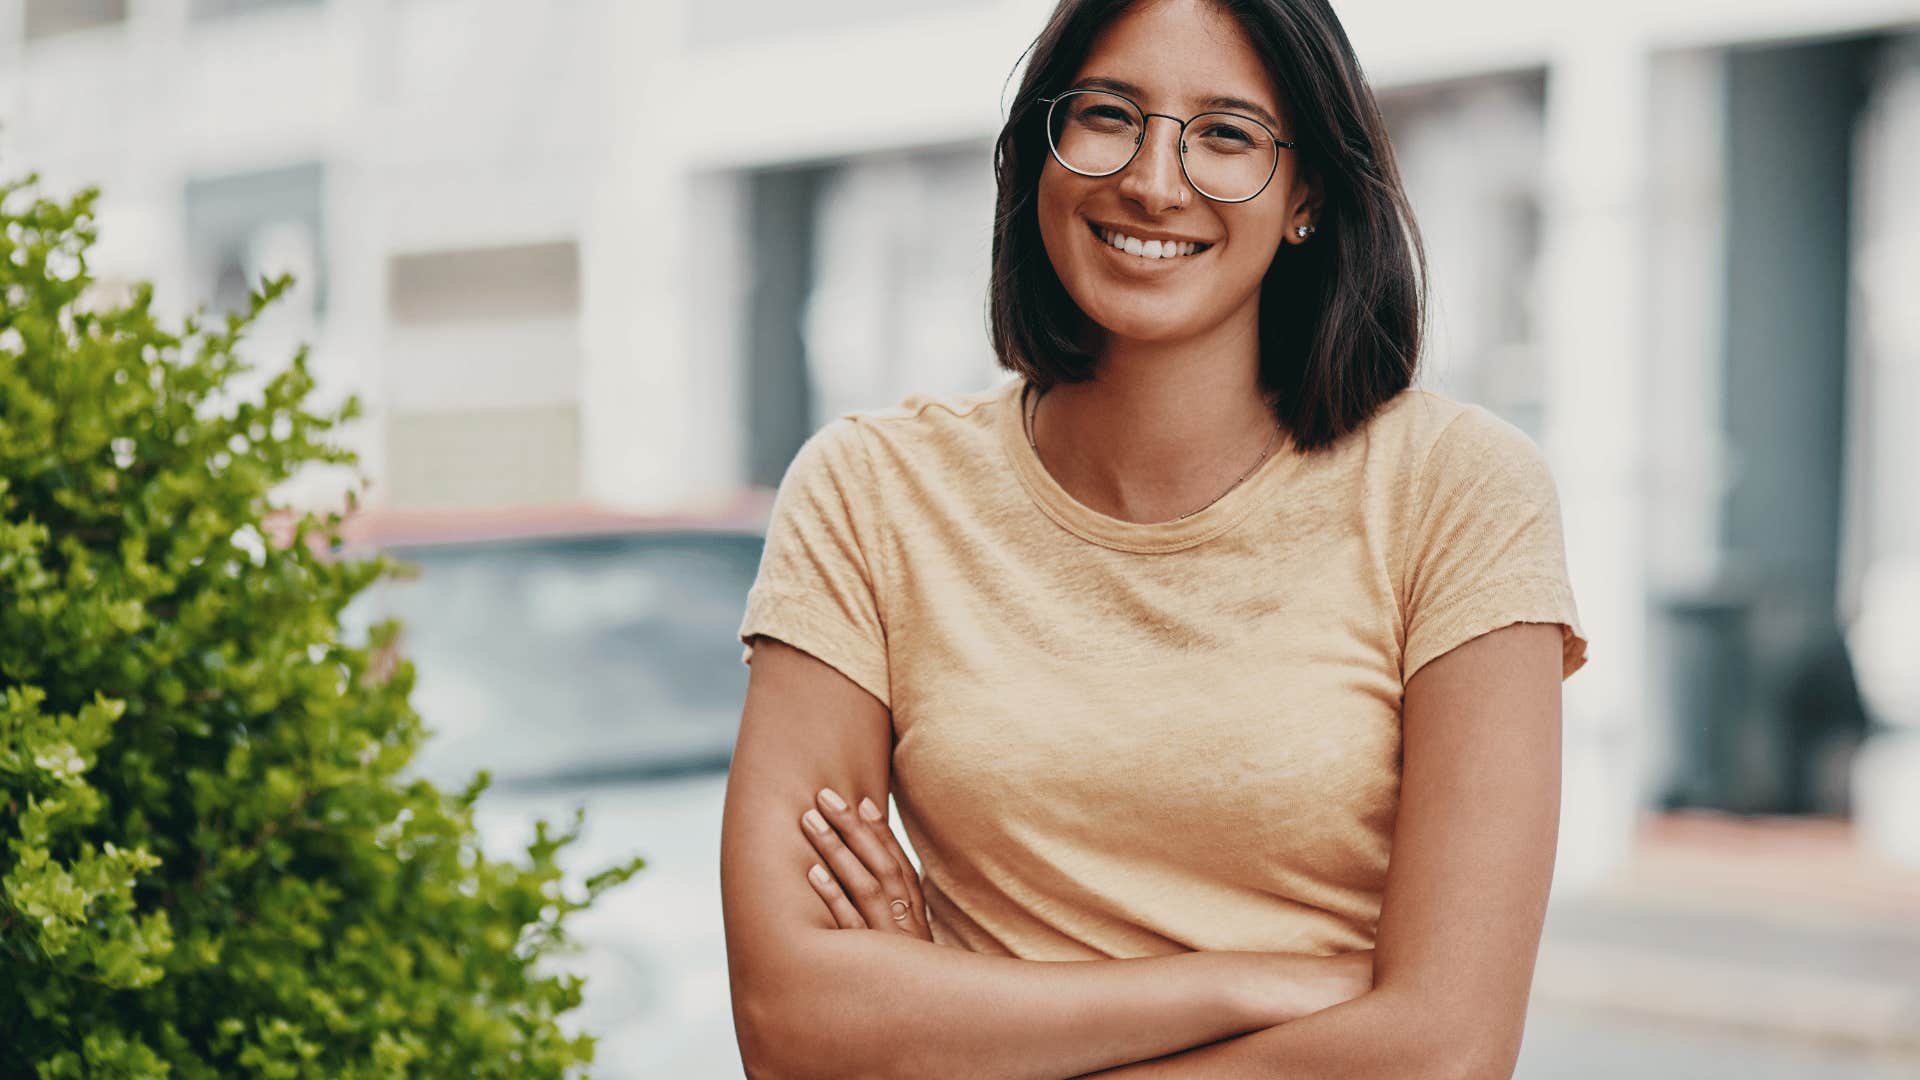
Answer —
345 141
535 229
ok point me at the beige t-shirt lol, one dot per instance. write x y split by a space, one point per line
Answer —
1117 739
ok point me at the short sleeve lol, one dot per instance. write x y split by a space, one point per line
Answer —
817 588
1487 547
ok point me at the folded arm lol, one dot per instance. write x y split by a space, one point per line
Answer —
814 1000
865 1003
1466 893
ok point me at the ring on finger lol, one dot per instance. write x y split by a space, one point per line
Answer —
901 909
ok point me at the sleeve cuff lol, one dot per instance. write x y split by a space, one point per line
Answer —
1503 603
803 625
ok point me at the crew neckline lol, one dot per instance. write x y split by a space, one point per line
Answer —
1137 536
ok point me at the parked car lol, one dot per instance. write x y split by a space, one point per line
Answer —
596 670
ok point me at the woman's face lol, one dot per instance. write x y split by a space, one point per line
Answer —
1179 54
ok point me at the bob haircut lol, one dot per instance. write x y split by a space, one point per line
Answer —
1341 318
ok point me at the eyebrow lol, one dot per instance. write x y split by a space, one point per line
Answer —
1217 101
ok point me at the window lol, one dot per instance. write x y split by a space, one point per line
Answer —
213 9
244 226
45 18
443 459
730 22
520 282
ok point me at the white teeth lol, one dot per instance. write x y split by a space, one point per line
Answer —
1148 249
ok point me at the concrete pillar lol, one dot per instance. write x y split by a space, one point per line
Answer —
1595 250
639 420
1880 578
1688 457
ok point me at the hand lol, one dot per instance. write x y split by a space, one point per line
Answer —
867 882
1287 986
1352 975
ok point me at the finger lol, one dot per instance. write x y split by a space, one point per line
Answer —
877 886
845 917
880 881
852 876
877 820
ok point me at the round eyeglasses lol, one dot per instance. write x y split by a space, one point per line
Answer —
1229 158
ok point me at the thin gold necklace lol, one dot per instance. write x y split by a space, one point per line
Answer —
1033 410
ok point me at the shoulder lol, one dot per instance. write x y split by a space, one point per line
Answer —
932 430
925 408
1444 441
917 415
835 452
878 455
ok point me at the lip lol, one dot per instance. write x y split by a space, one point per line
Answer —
1139 265
1148 234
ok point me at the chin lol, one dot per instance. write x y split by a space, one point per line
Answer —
1147 328
1149 318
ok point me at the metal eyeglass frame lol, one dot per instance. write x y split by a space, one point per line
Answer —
1278 142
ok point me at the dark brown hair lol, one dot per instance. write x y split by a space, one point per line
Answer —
1341 317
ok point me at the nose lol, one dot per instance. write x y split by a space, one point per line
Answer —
1153 178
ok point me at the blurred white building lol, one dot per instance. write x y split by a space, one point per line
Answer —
632 253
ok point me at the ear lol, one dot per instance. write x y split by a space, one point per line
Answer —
1304 202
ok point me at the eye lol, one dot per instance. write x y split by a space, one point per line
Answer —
1228 135
1225 132
1105 117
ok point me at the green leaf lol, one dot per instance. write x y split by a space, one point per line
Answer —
208 863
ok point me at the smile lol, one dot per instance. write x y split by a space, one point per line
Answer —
1146 249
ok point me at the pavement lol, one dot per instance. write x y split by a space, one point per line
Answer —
1775 929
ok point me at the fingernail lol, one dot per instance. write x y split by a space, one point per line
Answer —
818 875
827 795
868 810
815 821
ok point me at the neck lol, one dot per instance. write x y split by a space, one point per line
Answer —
1163 428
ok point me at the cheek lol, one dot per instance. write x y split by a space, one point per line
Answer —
1257 253
1256 242
1055 207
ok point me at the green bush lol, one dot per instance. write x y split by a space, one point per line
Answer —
211 866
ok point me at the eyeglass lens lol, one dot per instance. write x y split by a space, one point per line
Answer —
1227 157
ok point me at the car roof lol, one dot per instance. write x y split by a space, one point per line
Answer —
380 528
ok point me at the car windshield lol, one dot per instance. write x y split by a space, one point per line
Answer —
559 661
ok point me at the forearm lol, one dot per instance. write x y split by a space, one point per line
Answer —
865 1004
1381 1033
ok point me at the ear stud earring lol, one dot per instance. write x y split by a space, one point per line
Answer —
1303 231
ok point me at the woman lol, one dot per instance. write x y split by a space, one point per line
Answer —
1163 648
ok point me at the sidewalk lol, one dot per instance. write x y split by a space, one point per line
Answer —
1778 926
